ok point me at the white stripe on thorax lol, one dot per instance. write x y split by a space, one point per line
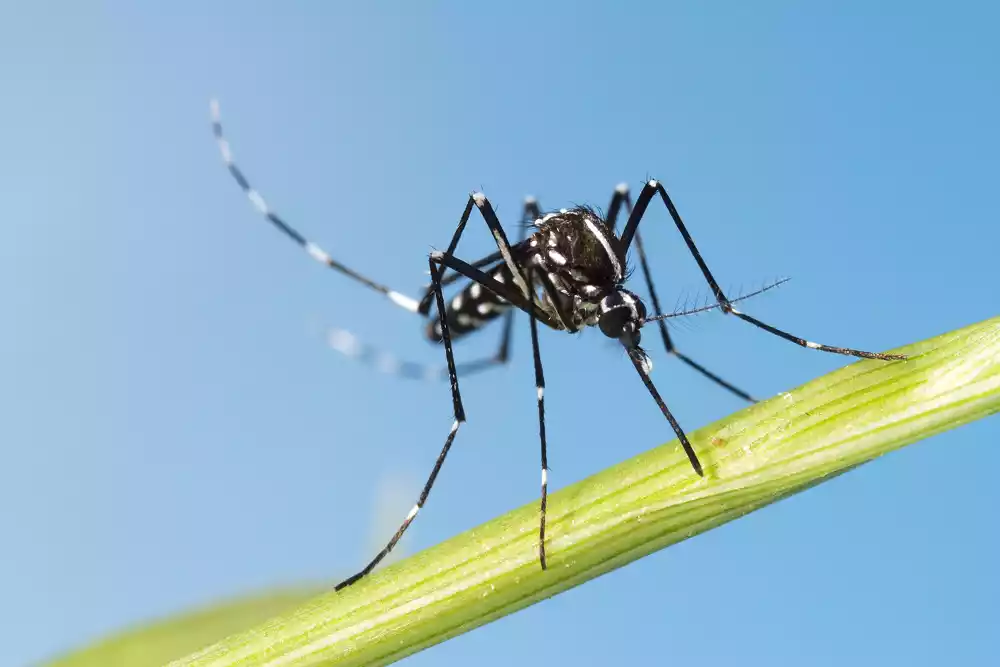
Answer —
596 231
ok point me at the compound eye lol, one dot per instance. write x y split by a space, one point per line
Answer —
612 323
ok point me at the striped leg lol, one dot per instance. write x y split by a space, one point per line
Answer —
631 228
459 409
525 301
622 197
352 346
555 322
540 391
313 250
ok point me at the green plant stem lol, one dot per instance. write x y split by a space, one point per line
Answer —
755 457
159 641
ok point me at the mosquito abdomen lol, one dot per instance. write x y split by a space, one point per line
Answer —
472 308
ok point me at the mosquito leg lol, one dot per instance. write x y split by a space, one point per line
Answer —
540 392
653 187
641 367
621 198
530 213
311 248
459 410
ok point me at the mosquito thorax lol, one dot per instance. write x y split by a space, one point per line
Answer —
622 314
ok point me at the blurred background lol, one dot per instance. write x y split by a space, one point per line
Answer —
175 429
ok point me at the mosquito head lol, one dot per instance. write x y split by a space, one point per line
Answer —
622 314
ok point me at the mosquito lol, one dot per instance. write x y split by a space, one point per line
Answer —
568 274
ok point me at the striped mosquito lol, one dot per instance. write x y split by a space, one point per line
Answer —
568 274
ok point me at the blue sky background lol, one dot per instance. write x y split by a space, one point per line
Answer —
175 430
